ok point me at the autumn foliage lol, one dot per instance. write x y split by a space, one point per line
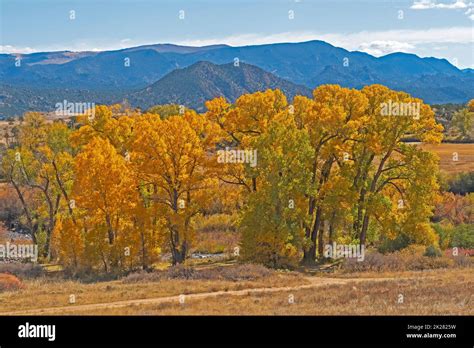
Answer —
118 190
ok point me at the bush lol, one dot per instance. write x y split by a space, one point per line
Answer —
10 205
388 245
89 275
409 259
8 282
373 261
445 234
463 261
455 209
240 272
432 251
23 270
463 236
216 234
142 277
462 183
229 273
180 272
215 223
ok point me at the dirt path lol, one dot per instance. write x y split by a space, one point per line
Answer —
314 282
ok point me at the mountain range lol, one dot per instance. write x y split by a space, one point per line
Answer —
165 73
203 81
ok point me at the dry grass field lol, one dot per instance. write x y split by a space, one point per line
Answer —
440 292
446 152
437 293
44 293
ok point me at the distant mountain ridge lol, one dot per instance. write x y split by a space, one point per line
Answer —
193 85
309 64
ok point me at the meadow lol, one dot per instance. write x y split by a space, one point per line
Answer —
454 158
428 292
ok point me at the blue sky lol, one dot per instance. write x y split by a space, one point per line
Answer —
441 28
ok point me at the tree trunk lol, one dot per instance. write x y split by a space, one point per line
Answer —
331 227
310 255
363 232
321 241
144 258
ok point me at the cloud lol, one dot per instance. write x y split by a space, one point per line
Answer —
380 48
404 38
456 5
124 43
470 13
429 4
15 49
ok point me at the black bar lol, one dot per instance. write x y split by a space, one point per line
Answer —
270 330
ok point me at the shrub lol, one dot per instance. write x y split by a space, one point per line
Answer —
180 272
239 272
463 261
216 242
373 261
408 259
388 245
23 270
432 251
229 273
463 236
142 277
8 282
462 183
445 234
89 275
413 250
215 223
455 209
10 205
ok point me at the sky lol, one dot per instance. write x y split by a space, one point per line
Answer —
428 28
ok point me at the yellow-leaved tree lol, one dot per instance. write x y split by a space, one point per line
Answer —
174 168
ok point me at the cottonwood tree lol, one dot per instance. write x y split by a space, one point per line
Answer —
382 159
173 167
239 125
272 223
463 120
40 171
124 235
332 119
104 195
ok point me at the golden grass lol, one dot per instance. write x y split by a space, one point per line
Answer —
434 292
43 293
444 292
465 153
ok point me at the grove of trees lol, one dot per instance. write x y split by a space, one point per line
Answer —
117 190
